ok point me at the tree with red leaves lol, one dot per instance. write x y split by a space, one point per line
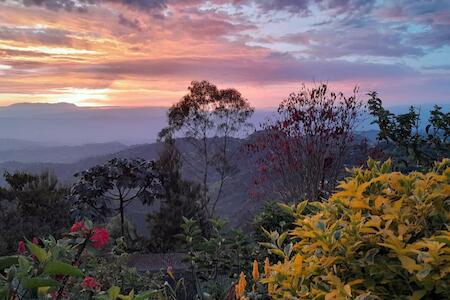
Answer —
300 153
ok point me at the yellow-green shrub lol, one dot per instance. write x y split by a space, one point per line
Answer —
382 235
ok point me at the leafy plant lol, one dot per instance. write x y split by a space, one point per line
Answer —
272 218
113 186
27 208
300 153
214 259
179 198
209 117
47 266
415 145
72 268
381 235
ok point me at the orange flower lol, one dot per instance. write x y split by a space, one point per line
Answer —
298 264
255 271
266 267
240 286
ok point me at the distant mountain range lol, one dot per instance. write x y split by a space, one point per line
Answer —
27 152
68 124
62 124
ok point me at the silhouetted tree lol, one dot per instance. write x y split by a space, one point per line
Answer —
31 206
180 198
208 118
301 152
110 188
415 146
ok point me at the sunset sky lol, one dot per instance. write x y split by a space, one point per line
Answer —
146 52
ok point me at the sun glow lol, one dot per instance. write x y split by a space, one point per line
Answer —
49 50
82 97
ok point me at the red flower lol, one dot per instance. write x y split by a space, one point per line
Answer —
35 241
99 237
78 226
89 282
21 248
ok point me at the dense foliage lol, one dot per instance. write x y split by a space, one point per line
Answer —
27 207
180 198
216 260
415 145
208 112
109 188
381 235
271 219
73 268
301 152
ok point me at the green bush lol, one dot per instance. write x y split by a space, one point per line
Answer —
31 206
272 218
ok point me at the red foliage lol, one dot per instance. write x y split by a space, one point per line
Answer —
299 154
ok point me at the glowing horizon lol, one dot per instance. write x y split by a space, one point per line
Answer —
146 52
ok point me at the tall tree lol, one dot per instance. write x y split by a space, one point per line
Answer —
31 206
416 145
208 117
180 198
110 188
301 152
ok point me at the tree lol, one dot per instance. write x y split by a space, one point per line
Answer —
110 188
180 198
31 206
208 118
415 145
301 152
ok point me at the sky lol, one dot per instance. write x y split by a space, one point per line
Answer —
146 52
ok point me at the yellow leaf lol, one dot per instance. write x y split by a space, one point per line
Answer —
374 221
43 290
348 290
356 281
409 264
358 204
417 295
331 295
379 201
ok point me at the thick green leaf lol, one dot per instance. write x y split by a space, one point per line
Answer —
113 292
147 295
281 239
61 268
268 245
37 251
3 292
36 282
8 261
